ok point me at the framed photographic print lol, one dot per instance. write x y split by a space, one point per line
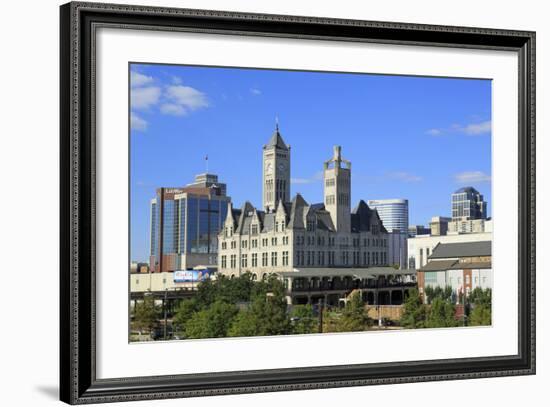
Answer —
255 203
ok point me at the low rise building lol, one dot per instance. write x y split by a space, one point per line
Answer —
462 266
421 247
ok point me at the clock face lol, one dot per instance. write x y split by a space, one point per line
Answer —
281 167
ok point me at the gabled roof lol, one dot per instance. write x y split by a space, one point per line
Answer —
464 249
363 217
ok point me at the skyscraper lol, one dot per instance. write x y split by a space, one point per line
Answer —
185 223
276 172
393 212
467 203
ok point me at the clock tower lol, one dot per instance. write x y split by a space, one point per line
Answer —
276 172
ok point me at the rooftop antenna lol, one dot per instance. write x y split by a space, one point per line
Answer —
206 160
277 122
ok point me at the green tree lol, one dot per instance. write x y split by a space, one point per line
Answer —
414 311
480 315
146 314
441 314
185 311
354 318
267 314
229 290
304 320
211 322
480 302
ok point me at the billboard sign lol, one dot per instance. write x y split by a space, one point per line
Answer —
189 276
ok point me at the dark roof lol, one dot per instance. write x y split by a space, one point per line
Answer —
466 189
438 265
276 140
465 249
362 217
443 265
472 265
298 212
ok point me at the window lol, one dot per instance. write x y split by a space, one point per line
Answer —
285 258
244 244
233 261
244 260
254 243
273 259
264 259
224 245
224 262
254 259
233 245
254 229
274 241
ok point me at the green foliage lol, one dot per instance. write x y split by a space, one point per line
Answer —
229 290
445 294
146 314
414 312
480 296
441 314
267 314
184 312
303 320
354 317
480 301
212 322
480 315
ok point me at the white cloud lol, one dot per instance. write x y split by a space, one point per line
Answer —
172 109
434 132
403 176
478 128
187 97
472 177
137 79
472 129
137 123
255 91
144 98
318 176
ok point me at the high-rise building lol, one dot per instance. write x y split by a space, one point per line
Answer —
276 172
393 212
207 181
467 203
185 223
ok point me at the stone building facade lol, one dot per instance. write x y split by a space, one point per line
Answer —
289 235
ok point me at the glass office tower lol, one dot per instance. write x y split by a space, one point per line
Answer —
185 223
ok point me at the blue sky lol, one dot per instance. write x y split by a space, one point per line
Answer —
407 137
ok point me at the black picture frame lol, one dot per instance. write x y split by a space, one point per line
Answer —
78 382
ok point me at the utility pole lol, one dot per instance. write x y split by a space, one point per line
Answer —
320 316
165 304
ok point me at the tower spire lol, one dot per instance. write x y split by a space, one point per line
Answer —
277 123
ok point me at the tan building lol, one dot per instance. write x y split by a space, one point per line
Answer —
470 226
289 235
